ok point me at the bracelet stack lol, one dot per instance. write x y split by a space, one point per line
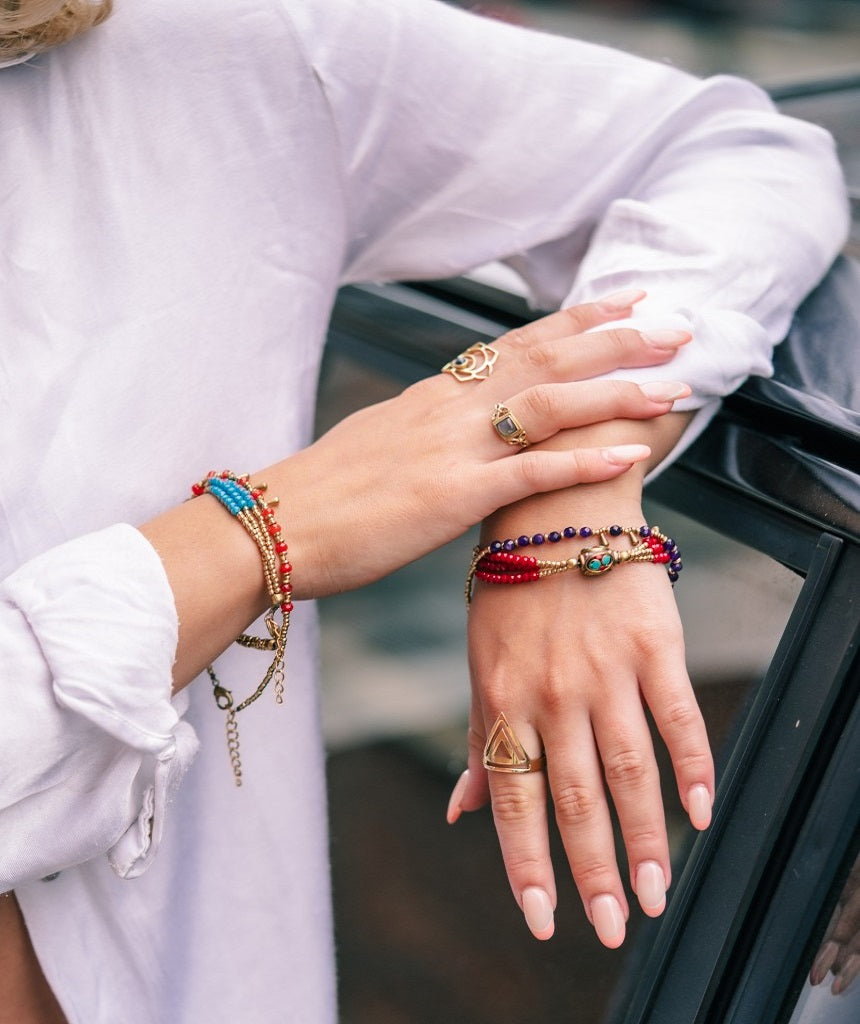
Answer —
502 561
256 514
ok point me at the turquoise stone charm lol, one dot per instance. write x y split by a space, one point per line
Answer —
595 561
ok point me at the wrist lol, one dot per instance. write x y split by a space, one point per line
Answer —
599 504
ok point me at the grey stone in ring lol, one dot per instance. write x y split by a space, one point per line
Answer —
508 427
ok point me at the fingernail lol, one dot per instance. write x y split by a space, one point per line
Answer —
608 920
457 793
625 454
699 806
617 302
823 962
665 390
651 887
849 971
667 339
537 909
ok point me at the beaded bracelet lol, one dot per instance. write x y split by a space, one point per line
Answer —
248 504
498 561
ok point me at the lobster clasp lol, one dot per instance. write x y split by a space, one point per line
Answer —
223 697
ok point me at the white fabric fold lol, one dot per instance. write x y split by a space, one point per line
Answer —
91 748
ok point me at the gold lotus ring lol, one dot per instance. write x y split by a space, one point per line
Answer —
476 363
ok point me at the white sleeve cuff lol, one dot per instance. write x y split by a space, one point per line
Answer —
91 744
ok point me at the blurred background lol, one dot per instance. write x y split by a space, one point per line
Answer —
426 927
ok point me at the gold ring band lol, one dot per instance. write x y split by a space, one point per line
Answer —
503 752
476 363
508 427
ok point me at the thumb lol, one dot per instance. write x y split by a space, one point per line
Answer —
470 793
472 789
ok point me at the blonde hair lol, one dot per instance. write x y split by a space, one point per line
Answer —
28 26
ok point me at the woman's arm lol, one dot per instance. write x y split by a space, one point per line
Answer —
396 480
91 744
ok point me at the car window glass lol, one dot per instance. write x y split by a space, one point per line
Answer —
831 990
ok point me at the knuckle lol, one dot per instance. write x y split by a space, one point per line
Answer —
542 400
645 837
519 338
628 768
694 766
621 395
622 342
495 689
555 693
541 357
682 716
619 340
625 392
523 865
575 804
652 641
531 468
512 804
575 318
593 876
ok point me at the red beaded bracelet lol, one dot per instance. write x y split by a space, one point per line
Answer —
499 562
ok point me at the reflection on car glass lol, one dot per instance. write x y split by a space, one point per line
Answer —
832 993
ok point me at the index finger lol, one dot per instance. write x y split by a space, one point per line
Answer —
577 319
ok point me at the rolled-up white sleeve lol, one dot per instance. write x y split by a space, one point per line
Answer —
585 169
92 745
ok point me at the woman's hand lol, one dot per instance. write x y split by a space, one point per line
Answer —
573 662
396 480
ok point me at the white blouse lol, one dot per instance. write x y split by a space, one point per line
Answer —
182 192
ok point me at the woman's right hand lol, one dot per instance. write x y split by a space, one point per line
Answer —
398 479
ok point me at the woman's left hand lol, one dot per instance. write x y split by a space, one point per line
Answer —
572 662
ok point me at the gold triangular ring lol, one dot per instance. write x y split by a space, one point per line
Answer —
503 752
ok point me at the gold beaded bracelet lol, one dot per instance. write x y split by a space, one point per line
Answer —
256 514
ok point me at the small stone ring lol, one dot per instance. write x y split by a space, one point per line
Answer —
508 427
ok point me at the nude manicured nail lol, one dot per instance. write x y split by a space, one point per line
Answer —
699 806
665 390
847 973
537 909
823 962
667 339
608 920
457 794
651 887
625 454
617 302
